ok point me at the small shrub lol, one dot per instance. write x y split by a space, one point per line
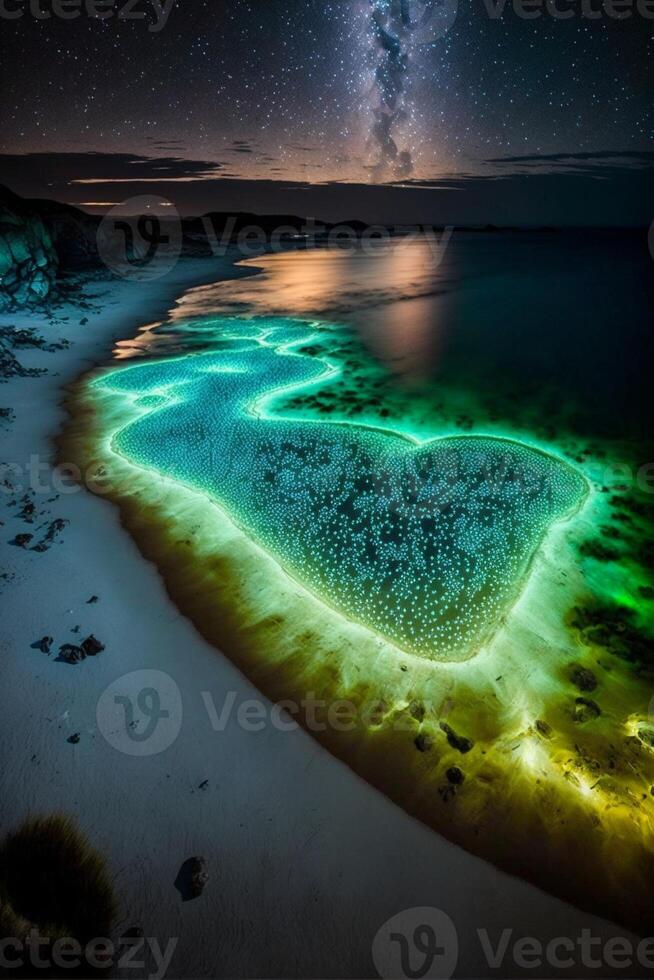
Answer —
51 878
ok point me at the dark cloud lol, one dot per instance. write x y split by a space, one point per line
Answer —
240 146
51 172
300 149
173 147
623 158
160 139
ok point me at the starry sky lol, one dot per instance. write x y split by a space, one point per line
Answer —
373 93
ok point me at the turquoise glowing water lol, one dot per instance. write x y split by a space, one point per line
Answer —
425 544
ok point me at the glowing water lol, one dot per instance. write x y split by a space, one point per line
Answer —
425 544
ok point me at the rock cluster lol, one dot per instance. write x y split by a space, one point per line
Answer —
72 654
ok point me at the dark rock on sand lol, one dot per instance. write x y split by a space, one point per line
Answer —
583 678
92 600
71 654
586 710
423 742
44 644
73 739
417 710
28 510
199 875
10 366
458 742
12 338
92 646
56 527
455 775
22 540
192 878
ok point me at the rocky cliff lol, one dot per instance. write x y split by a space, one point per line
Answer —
73 232
28 259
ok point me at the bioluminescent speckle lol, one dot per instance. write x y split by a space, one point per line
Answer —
425 544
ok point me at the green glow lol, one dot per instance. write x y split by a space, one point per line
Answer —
424 543
555 702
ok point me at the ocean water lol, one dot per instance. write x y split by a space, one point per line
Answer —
557 320
433 398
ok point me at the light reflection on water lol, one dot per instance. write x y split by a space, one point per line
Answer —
327 283
388 291
518 313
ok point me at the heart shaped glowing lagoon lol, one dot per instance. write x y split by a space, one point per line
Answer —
425 543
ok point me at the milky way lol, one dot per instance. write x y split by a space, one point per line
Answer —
386 27
396 28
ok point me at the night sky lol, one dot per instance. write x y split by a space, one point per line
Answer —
301 92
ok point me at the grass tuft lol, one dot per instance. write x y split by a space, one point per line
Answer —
51 878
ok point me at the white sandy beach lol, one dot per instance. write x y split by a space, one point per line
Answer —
306 861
